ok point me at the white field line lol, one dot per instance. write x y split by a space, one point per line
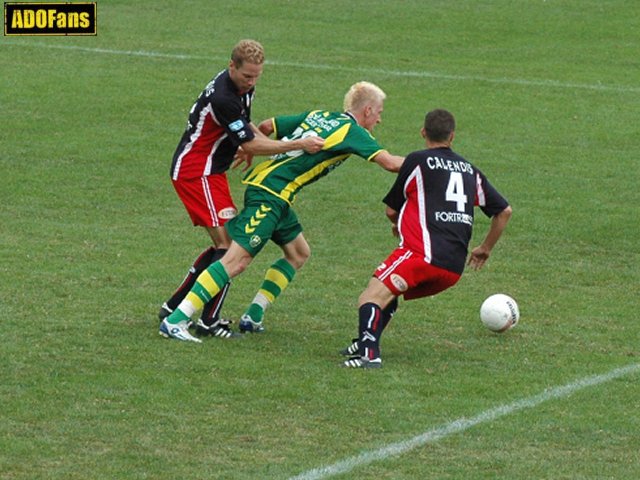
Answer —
462 424
339 68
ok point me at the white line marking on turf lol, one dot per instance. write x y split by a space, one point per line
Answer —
369 71
462 424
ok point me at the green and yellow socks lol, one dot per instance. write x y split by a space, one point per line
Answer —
212 280
276 279
208 284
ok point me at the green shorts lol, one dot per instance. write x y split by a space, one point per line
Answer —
264 217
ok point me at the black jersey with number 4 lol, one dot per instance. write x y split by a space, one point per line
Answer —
435 192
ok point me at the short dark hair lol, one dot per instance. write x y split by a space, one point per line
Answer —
439 124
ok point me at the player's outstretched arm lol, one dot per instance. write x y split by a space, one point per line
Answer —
389 162
263 145
481 253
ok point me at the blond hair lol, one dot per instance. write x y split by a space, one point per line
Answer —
247 51
362 94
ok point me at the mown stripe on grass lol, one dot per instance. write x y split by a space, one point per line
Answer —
462 424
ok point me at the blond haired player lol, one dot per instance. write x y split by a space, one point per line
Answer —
272 187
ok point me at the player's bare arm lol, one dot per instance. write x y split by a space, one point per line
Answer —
262 145
389 162
481 253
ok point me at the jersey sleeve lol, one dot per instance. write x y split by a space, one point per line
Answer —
285 125
490 201
395 198
229 115
363 143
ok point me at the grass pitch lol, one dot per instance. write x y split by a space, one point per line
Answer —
93 239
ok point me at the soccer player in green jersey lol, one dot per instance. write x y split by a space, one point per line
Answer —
271 190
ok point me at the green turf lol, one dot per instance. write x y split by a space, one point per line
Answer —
93 239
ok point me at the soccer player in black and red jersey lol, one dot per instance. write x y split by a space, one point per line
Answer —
431 207
219 123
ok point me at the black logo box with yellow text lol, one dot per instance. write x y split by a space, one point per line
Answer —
50 18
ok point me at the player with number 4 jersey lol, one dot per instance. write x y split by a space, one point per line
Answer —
431 207
434 195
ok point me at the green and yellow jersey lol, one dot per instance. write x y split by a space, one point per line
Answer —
285 174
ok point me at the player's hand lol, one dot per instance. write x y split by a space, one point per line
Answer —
242 157
312 144
394 230
478 257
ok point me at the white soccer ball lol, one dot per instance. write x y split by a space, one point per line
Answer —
499 312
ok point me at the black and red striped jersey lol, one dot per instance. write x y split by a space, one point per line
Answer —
219 122
435 194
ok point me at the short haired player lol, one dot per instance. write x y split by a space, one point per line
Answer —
219 123
431 208
272 187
